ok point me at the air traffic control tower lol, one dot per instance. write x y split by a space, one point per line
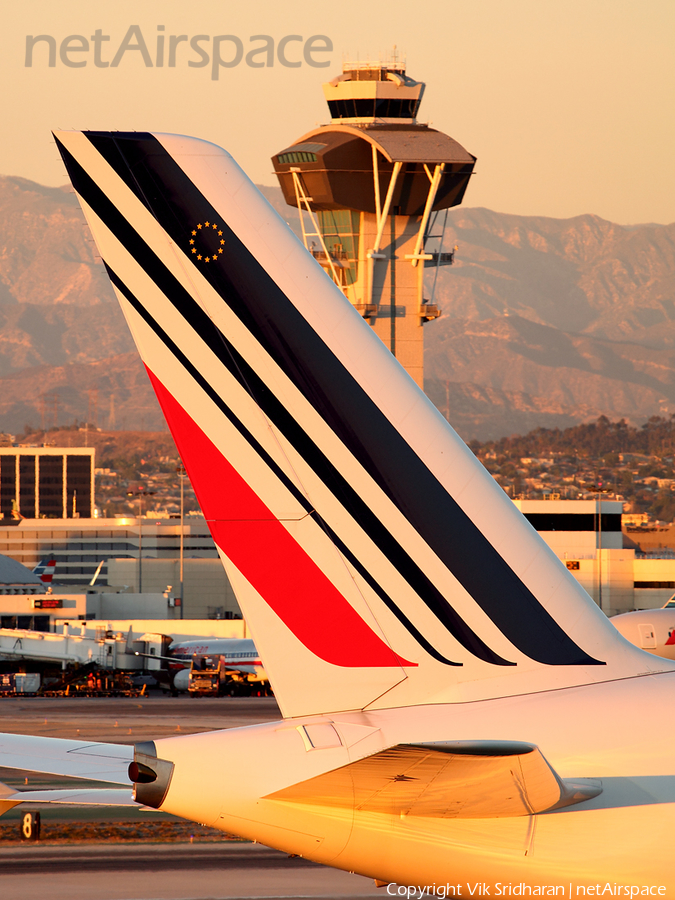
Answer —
373 189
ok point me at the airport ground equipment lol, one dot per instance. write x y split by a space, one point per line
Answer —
245 674
212 675
207 677
13 683
90 681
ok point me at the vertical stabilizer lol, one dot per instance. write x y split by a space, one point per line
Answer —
374 558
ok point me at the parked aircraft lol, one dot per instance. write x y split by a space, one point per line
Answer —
239 656
456 711
651 629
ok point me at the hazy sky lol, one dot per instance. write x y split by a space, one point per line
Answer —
569 106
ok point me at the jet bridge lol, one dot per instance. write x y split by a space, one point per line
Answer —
107 649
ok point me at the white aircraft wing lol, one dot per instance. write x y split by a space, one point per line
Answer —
76 759
468 780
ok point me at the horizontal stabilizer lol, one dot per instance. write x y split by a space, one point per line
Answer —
75 797
76 759
469 780
6 803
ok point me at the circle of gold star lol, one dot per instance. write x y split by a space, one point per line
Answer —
206 242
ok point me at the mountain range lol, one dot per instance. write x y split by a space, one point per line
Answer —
545 322
549 322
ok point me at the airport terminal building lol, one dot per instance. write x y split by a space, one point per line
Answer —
138 555
47 503
587 535
142 556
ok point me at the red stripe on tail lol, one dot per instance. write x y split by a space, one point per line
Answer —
268 557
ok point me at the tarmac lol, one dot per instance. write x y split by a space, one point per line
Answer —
169 872
123 720
149 871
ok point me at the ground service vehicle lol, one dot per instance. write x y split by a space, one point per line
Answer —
207 676
244 672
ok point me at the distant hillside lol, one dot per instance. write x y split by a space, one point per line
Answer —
583 275
65 349
546 322
56 303
594 440
507 375
113 448
112 393
551 322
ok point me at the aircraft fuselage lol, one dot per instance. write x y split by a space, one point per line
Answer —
594 733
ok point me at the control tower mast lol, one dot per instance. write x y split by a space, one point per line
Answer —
369 188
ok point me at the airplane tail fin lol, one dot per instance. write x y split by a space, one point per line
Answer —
45 569
375 560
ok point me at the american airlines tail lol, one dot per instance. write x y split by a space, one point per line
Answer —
376 561
45 569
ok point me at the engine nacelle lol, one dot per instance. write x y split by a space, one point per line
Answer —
151 776
181 680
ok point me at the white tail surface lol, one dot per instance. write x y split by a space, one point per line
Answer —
376 561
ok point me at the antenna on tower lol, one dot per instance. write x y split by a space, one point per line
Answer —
92 411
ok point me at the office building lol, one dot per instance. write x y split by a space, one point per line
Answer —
46 483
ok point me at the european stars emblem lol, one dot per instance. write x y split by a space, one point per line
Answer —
202 241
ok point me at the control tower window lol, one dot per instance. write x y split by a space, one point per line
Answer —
396 109
296 157
371 108
340 230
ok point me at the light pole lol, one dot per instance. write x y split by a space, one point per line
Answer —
140 493
180 471
598 489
